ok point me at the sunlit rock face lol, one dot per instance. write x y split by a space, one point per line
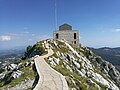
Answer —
82 68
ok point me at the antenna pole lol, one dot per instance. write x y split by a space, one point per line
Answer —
55 15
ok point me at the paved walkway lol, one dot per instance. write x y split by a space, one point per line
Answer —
49 78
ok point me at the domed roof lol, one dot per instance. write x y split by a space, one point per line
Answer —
65 27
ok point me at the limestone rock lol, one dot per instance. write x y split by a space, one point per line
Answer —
16 74
88 65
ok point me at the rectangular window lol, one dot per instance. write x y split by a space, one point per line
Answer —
75 36
74 42
57 35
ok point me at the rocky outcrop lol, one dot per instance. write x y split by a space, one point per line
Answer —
83 68
11 72
106 68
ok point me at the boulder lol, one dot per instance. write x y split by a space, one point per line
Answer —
16 74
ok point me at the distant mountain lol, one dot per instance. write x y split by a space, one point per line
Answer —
15 50
11 55
110 54
82 69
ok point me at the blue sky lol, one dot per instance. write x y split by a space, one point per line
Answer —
23 22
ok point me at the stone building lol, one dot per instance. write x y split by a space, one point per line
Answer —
65 32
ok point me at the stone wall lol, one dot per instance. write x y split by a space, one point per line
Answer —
68 35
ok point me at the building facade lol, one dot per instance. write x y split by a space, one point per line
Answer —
65 32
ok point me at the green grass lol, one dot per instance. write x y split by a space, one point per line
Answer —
93 88
55 55
46 52
79 52
80 81
28 74
69 82
61 47
60 43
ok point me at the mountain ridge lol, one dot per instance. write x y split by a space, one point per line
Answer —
85 56
82 69
110 54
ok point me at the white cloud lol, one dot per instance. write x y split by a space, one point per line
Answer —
5 38
116 30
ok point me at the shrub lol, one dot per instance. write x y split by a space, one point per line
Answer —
31 51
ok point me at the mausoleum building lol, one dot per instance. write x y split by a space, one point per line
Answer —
65 32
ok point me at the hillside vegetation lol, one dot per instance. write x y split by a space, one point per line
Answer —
110 54
21 75
82 69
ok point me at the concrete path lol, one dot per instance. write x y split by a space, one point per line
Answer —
49 78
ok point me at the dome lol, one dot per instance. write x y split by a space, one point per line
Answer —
65 27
